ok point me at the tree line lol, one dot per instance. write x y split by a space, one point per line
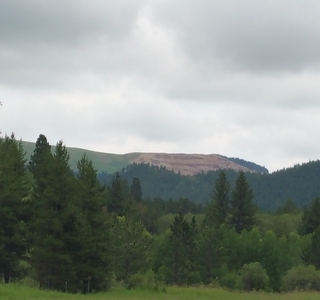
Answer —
68 232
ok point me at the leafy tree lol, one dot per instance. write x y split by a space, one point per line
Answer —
253 277
311 252
274 258
130 244
248 248
242 207
158 253
301 278
210 253
218 209
14 241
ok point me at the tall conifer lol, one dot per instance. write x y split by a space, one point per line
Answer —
218 209
92 259
242 207
55 219
13 206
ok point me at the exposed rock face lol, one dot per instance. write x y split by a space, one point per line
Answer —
189 164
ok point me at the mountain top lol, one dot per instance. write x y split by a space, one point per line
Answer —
185 164
191 164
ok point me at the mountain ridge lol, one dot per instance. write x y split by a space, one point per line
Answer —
182 163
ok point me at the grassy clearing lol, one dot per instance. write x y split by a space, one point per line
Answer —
12 291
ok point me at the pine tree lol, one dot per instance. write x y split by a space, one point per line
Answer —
117 196
180 256
242 208
92 259
218 209
310 220
40 153
13 207
55 221
136 190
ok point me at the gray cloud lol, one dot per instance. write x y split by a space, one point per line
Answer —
252 36
238 79
64 22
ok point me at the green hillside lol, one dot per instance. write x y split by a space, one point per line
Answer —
103 162
111 163
299 183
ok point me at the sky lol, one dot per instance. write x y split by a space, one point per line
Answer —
236 78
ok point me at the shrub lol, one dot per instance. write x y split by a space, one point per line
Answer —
253 277
229 280
146 281
302 278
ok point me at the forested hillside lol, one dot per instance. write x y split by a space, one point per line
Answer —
299 183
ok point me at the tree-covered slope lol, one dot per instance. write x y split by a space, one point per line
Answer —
299 183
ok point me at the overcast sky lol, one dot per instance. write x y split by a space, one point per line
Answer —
236 78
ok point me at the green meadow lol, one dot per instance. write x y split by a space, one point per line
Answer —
15 291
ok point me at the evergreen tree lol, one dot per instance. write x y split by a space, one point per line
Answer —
40 153
118 195
288 207
242 207
92 259
13 207
179 261
55 222
310 220
135 190
218 209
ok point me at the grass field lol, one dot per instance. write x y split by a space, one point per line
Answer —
13 291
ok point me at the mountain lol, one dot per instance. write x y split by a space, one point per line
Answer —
192 176
185 164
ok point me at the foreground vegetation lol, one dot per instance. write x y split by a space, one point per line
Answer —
12 292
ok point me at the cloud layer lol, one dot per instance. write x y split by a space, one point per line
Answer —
237 79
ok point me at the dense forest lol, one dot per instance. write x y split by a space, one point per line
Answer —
300 184
65 230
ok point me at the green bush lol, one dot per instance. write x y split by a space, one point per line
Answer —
301 278
229 280
146 281
253 277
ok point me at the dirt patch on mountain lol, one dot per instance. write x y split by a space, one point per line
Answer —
188 164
